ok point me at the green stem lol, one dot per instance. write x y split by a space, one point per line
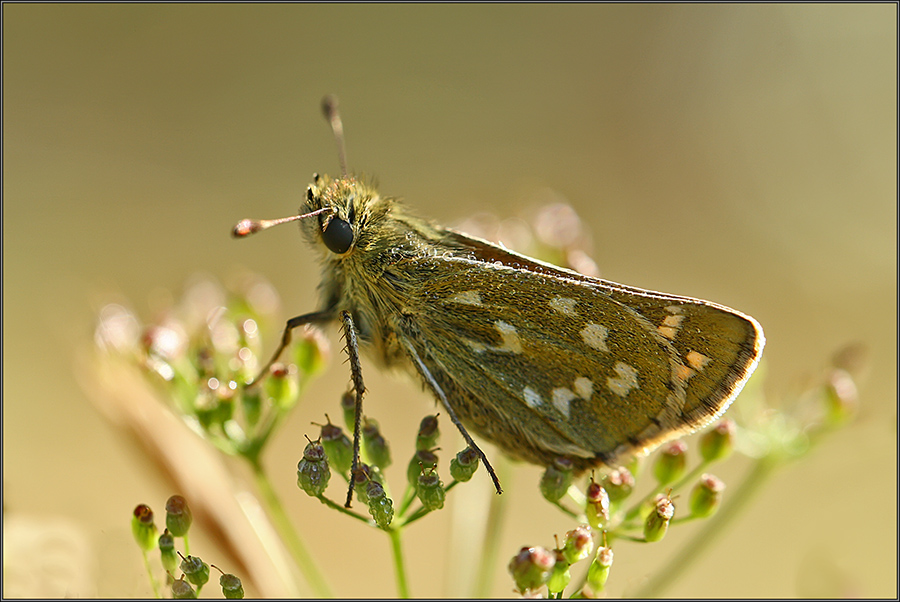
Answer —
633 538
492 532
408 497
680 520
682 561
635 510
566 511
691 476
399 566
335 506
153 582
289 535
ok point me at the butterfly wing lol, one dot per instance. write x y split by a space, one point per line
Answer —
547 362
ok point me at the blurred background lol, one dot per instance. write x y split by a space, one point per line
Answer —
743 154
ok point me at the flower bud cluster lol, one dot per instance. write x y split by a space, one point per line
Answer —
194 571
204 353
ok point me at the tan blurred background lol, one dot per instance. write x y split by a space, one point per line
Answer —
744 154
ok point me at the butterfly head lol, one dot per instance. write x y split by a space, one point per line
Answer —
341 214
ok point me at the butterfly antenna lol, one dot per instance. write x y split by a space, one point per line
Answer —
246 227
330 108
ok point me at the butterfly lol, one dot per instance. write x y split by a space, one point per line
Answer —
542 361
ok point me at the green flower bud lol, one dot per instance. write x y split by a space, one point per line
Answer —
718 443
578 544
338 447
670 463
167 551
560 576
348 406
311 352
619 484
596 506
178 516
376 446
428 433
381 507
361 478
598 572
375 491
360 484
251 405
225 407
464 465
423 460
706 496
214 409
374 473
182 590
430 491
195 570
143 528
205 411
312 471
657 522
282 387
557 478
531 568
232 588
841 398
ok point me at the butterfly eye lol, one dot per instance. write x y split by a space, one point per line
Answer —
338 236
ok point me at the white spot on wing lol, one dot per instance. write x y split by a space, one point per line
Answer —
683 373
595 336
511 341
476 346
466 298
669 327
564 306
531 397
626 380
697 360
673 321
561 400
584 387
666 331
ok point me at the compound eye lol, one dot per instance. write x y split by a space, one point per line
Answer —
338 236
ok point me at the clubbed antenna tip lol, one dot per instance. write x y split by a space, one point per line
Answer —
330 109
246 227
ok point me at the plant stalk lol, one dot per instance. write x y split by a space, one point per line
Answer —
399 565
289 535
716 525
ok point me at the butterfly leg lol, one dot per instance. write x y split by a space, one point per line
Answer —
317 317
459 425
359 388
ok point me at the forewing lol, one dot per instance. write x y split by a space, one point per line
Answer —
718 347
577 366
